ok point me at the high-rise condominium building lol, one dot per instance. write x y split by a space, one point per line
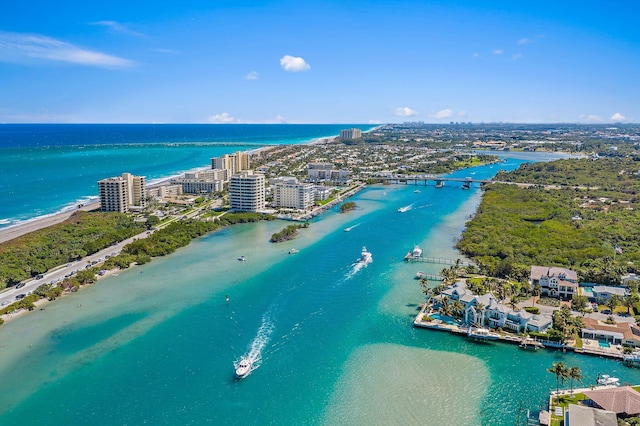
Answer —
289 193
122 193
246 191
235 163
351 134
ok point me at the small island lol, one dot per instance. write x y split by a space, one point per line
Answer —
288 233
348 206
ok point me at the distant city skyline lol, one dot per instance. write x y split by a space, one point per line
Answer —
319 62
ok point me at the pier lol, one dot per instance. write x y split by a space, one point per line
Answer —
441 261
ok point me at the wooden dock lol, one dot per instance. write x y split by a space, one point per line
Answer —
441 261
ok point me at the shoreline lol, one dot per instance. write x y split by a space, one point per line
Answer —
25 226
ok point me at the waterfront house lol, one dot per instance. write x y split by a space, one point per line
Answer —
624 401
493 313
616 334
628 279
605 292
555 281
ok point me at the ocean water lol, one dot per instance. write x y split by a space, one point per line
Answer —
333 341
47 168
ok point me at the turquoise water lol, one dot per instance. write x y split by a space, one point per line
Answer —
333 341
603 344
46 168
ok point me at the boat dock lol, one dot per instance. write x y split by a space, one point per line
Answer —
438 260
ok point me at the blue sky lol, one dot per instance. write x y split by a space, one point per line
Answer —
319 62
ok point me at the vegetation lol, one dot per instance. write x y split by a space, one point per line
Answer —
348 206
84 233
288 233
581 226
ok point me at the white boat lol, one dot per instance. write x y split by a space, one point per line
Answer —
440 184
632 358
365 256
482 334
403 209
416 253
347 229
420 274
530 343
417 191
242 259
606 380
243 368
293 251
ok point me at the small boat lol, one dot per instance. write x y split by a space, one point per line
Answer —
466 185
365 256
632 358
242 259
243 368
293 251
606 380
417 191
530 343
416 253
420 274
482 334
440 184
404 209
347 229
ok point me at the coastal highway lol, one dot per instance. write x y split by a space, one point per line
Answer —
57 274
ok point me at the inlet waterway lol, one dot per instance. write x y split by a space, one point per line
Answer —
157 344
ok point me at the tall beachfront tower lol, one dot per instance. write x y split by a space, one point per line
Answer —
351 134
235 163
246 191
122 193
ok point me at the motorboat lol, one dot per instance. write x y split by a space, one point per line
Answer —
417 191
242 259
243 368
365 256
293 251
420 275
413 254
632 358
482 334
530 343
404 209
347 229
606 380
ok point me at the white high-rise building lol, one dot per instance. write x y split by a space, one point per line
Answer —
246 191
289 193
122 193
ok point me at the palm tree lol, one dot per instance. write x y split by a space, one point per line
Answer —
457 307
574 373
536 291
445 308
612 302
630 301
559 369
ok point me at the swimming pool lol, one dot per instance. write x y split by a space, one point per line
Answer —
603 344
445 319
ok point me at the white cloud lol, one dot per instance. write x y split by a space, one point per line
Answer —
462 113
405 112
525 40
445 113
280 119
294 64
516 56
223 118
618 117
591 118
117 28
476 55
375 122
21 48
253 75
498 51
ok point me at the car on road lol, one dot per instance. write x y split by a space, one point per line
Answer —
39 277
594 307
20 285
606 311
20 296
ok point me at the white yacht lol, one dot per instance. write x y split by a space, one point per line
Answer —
242 259
606 380
365 256
293 251
404 209
243 368
482 334
413 254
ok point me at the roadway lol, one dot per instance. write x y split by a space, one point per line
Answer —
57 274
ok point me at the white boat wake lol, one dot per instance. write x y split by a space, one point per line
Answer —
259 342
357 266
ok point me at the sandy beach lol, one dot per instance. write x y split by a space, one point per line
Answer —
15 231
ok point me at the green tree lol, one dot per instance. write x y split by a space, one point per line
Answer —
559 369
574 373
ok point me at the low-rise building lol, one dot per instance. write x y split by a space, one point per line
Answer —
202 182
605 292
